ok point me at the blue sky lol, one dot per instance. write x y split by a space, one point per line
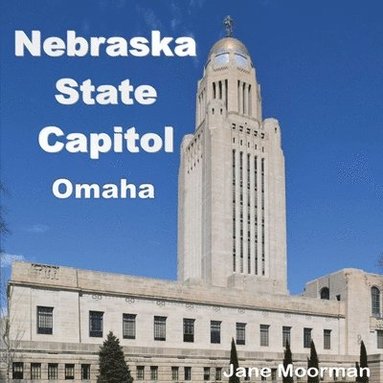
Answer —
320 67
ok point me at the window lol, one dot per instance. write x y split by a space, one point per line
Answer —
85 372
241 60
206 373
44 320
215 331
95 323
221 59
379 335
264 334
159 328
69 371
140 373
327 339
307 337
218 373
175 374
188 330
240 333
35 371
375 301
153 373
53 371
286 335
18 370
325 293
274 375
129 326
187 373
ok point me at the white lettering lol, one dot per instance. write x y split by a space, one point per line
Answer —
44 135
95 46
66 184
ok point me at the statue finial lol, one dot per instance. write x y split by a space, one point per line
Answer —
228 22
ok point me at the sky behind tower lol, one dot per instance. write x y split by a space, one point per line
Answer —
319 64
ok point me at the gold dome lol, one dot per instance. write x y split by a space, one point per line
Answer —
228 44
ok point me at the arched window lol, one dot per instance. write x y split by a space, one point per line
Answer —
375 301
325 293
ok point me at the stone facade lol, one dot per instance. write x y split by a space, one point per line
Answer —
232 215
74 294
231 269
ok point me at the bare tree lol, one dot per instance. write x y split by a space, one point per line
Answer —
9 340
11 336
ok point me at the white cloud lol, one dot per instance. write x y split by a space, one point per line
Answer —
196 3
176 16
7 259
37 228
150 18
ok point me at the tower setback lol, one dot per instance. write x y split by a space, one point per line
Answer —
231 211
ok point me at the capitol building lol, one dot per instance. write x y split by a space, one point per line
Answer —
232 277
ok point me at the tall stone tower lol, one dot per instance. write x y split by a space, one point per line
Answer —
231 207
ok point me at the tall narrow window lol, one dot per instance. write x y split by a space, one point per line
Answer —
244 98
255 216
274 375
327 339
187 373
286 335
250 102
218 373
35 371
263 216
238 97
234 211
240 333
129 326
140 372
18 370
264 334
188 330
85 372
307 337
379 337
215 331
375 301
153 373
69 372
44 320
241 209
248 214
96 324
226 93
53 371
159 328
175 374
206 373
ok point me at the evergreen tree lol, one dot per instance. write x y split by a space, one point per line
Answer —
234 362
363 363
287 360
112 365
358 378
313 362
